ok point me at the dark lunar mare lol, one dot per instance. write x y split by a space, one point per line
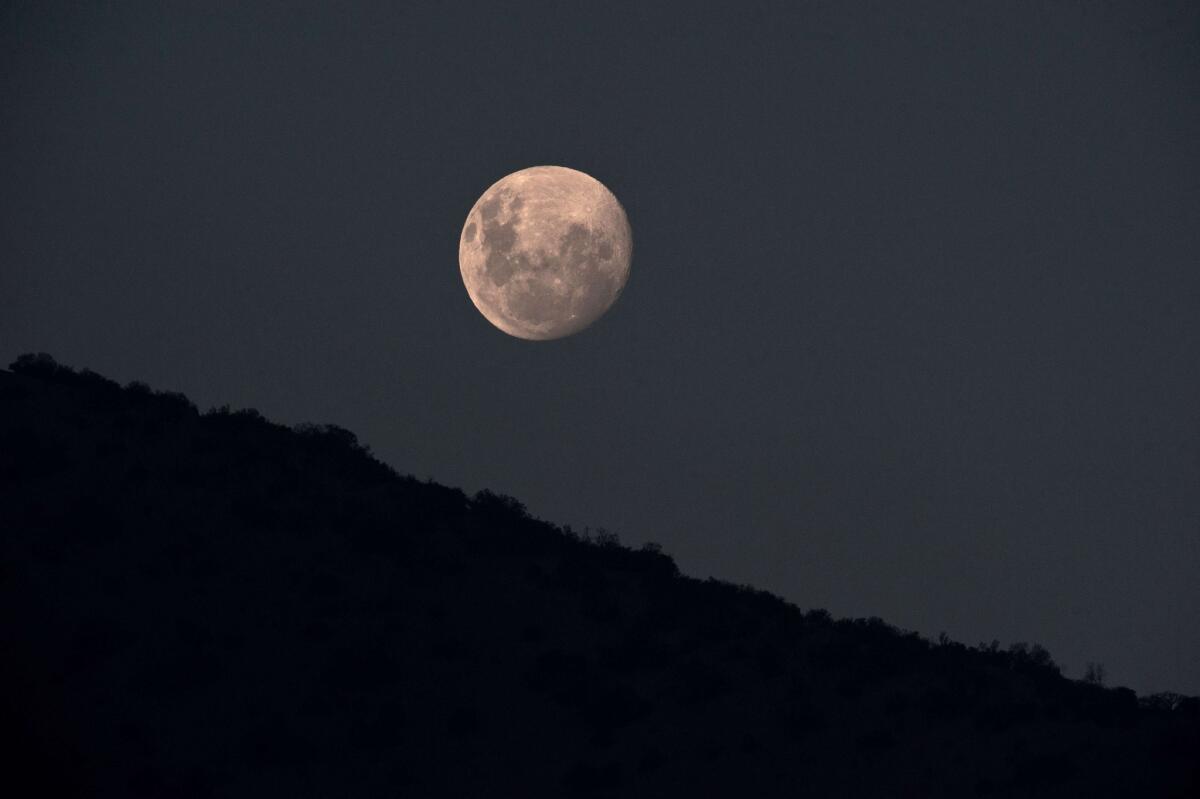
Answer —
499 238
577 261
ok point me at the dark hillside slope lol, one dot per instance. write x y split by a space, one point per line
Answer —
210 604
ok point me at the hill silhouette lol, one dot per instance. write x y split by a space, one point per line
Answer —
212 605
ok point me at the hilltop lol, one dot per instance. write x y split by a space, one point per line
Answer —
209 604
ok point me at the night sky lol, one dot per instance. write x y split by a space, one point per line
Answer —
912 329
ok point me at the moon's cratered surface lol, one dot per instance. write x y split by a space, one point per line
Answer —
545 252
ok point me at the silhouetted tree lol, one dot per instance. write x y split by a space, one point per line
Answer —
491 504
1094 674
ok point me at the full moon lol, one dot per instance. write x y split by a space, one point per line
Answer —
545 252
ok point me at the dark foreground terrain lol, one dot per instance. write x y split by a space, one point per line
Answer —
210 604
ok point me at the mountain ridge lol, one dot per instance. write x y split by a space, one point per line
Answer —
211 604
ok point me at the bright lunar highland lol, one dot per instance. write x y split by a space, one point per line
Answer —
545 252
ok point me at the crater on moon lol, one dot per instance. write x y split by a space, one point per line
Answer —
545 252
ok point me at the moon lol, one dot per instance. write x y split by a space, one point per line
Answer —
545 252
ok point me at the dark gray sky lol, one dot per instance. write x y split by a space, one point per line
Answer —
913 324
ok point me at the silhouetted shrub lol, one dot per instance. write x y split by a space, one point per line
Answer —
363 668
96 639
338 450
1042 769
463 722
875 740
801 718
587 777
818 616
276 743
104 394
254 511
1000 716
90 522
92 380
42 366
532 634
656 563
383 728
651 760
1022 656
186 668
607 552
249 417
498 507
174 403
608 703
942 703
331 435
697 682
606 539
26 456
556 670
895 705
749 744
770 661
